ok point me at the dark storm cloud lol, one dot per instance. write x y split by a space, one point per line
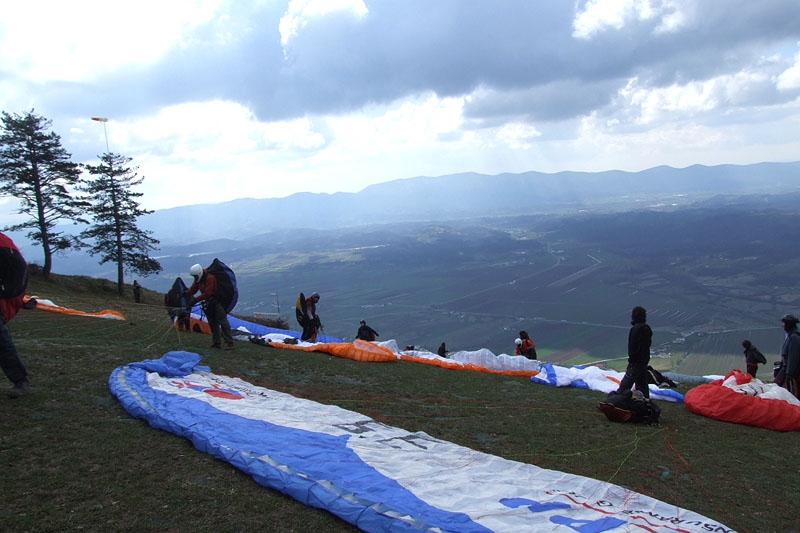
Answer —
523 53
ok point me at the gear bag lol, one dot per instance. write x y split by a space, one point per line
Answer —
624 407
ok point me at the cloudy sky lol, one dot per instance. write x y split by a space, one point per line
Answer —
223 99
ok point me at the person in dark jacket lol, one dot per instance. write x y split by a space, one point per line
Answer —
640 337
442 351
206 283
752 357
137 292
366 333
787 376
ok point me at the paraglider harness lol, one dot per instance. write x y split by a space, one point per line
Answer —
625 407
13 278
227 293
13 272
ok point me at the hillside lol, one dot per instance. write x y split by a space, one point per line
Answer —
711 268
107 469
709 277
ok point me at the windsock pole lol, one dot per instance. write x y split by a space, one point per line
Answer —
103 120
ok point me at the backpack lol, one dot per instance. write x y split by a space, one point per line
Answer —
13 269
760 356
300 310
623 407
227 292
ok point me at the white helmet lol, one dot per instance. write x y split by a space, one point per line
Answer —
518 342
196 270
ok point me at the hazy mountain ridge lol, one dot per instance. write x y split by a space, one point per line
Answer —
469 195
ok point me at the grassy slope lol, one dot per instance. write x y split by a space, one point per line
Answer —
73 459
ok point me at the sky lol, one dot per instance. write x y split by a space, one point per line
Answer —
222 99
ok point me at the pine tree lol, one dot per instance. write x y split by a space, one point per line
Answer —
114 210
36 170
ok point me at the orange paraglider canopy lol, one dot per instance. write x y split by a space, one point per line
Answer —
34 302
357 350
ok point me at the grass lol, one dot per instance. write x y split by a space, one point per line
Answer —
73 459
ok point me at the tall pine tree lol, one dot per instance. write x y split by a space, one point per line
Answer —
36 170
114 210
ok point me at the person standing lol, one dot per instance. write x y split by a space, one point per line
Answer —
787 375
366 333
137 291
217 317
640 338
752 357
13 282
311 321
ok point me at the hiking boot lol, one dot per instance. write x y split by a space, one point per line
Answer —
229 346
215 346
20 388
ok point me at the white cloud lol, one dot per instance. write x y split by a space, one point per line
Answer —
600 15
47 40
789 79
675 103
298 12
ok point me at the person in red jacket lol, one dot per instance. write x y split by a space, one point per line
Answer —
206 283
13 281
525 345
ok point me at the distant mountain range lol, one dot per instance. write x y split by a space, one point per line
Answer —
203 230
471 259
471 195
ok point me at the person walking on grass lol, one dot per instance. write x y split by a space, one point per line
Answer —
752 357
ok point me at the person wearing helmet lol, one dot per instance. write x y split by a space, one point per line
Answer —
787 373
525 345
640 337
311 321
206 283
